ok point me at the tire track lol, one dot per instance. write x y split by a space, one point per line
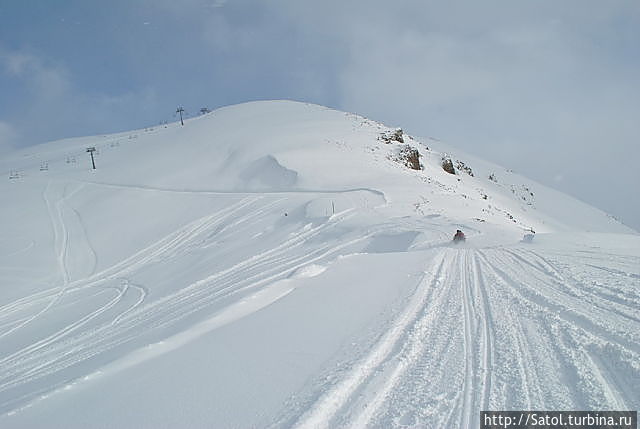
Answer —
477 345
143 294
515 339
53 354
488 333
577 332
621 307
469 355
547 295
423 343
139 259
61 244
322 413
416 334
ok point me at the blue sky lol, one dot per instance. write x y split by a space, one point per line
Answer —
550 89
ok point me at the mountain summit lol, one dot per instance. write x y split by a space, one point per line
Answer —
285 264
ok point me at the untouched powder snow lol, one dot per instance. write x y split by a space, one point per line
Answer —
278 264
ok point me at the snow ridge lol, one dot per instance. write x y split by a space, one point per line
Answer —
276 264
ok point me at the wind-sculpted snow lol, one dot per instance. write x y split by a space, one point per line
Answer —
273 265
106 314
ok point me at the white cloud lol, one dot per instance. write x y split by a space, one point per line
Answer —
16 63
46 80
8 137
55 108
540 86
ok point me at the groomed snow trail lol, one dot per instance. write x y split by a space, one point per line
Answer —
491 329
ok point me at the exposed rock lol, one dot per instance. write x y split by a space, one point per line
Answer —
463 167
411 158
447 165
396 136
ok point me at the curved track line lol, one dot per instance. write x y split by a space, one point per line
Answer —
331 402
410 354
61 350
61 238
575 328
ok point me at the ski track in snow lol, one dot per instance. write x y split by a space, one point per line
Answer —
491 329
494 328
502 327
126 315
61 238
62 234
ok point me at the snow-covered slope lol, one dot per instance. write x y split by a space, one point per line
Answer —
277 263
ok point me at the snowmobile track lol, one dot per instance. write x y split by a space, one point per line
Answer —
78 342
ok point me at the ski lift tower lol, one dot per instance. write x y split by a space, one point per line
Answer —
180 110
91 150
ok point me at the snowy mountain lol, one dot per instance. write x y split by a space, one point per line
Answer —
280 264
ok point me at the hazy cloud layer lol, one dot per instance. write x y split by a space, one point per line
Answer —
7 137
551 89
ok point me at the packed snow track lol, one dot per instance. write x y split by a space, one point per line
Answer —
505 326
494 329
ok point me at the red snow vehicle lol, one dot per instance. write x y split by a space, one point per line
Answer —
459 236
